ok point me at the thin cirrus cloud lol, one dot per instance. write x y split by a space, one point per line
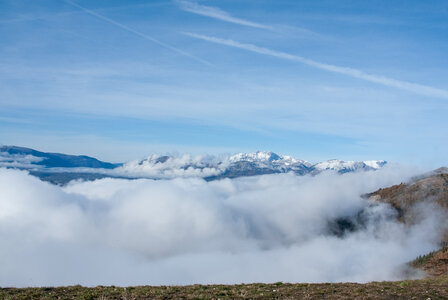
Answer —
386 81
138 33
217 13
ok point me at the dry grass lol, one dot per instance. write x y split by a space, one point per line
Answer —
432 288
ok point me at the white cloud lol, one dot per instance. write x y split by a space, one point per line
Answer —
18 160
216 13
172 167
264 228
386 81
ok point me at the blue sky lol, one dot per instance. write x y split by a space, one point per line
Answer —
313 79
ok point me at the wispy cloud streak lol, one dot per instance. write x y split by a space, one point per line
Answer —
138 33
216 13
403 85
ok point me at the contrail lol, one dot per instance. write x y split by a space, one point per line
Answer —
142 35
216 13
219 14
403 85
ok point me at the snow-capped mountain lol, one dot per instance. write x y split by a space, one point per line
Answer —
348 166
238 165
61 168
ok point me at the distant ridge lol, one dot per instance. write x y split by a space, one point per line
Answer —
58 160
61 168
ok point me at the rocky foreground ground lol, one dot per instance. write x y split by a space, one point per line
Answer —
430 288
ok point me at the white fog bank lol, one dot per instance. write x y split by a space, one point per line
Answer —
182 231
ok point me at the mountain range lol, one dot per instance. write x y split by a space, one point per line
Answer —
60 168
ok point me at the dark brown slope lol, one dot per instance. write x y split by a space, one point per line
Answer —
430 188
434 263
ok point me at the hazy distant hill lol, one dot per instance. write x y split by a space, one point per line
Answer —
57 160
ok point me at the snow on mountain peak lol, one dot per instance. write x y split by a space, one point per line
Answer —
375 164
335 164
268 157
340 165
255 156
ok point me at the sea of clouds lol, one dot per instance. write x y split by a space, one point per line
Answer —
185 230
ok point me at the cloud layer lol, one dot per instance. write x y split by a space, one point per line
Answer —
182 231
